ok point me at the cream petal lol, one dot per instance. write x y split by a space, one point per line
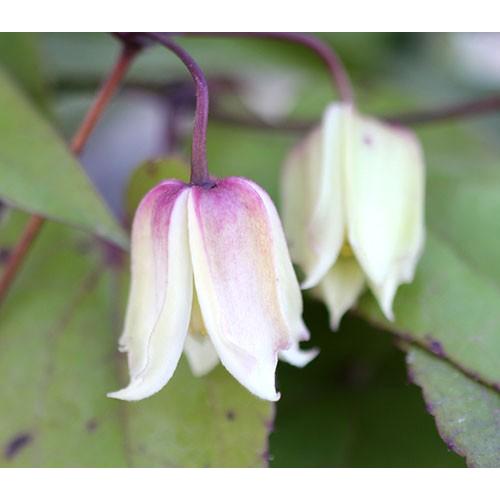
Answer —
340 288
385 294
385 183
401 273
242 281
201 354
158 350
298 193
312 199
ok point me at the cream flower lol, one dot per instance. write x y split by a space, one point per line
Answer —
353 208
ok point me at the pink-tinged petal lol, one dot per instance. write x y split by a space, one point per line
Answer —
290 297
312 195
201 354
148 270
385 199
161 294
242 276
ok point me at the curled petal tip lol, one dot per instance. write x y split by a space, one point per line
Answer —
335 321
134 392
387 308
298 357
310 282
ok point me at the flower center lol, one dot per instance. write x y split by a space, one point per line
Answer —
196 324
346 250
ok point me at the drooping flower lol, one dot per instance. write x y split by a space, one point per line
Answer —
211 276
353 208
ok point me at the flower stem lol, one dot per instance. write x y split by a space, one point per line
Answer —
19 252
335 67
35 223
199 164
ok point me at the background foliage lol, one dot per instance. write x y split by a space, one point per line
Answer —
360 402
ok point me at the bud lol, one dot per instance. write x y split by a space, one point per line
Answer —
353 208
211 275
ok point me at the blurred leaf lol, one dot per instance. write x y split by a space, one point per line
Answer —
467 413
148 175
353 405
38 174
19 55
256 154
58 358
450 310
80 57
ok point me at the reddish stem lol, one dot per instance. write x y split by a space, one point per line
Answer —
199 163
17 255
465 110
323 51
103 97
35 223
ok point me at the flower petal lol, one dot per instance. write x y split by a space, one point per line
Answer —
161 261
288 289
385 182
244 280
312 195
340 288
148 270
201 354
296 356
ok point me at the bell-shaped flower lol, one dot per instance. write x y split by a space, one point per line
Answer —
211 276
353 208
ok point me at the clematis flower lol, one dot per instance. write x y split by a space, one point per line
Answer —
353 208
211 276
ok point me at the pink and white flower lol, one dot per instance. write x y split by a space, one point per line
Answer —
211 276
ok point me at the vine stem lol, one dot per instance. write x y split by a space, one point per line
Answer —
462 111
335 66
199 164
35 223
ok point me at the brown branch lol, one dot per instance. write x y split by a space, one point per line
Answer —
252 121
35 222
417 118
466 110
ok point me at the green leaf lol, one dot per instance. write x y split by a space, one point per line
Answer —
58 358
466 412
19 55
256 154
353 405
451 308
38 173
